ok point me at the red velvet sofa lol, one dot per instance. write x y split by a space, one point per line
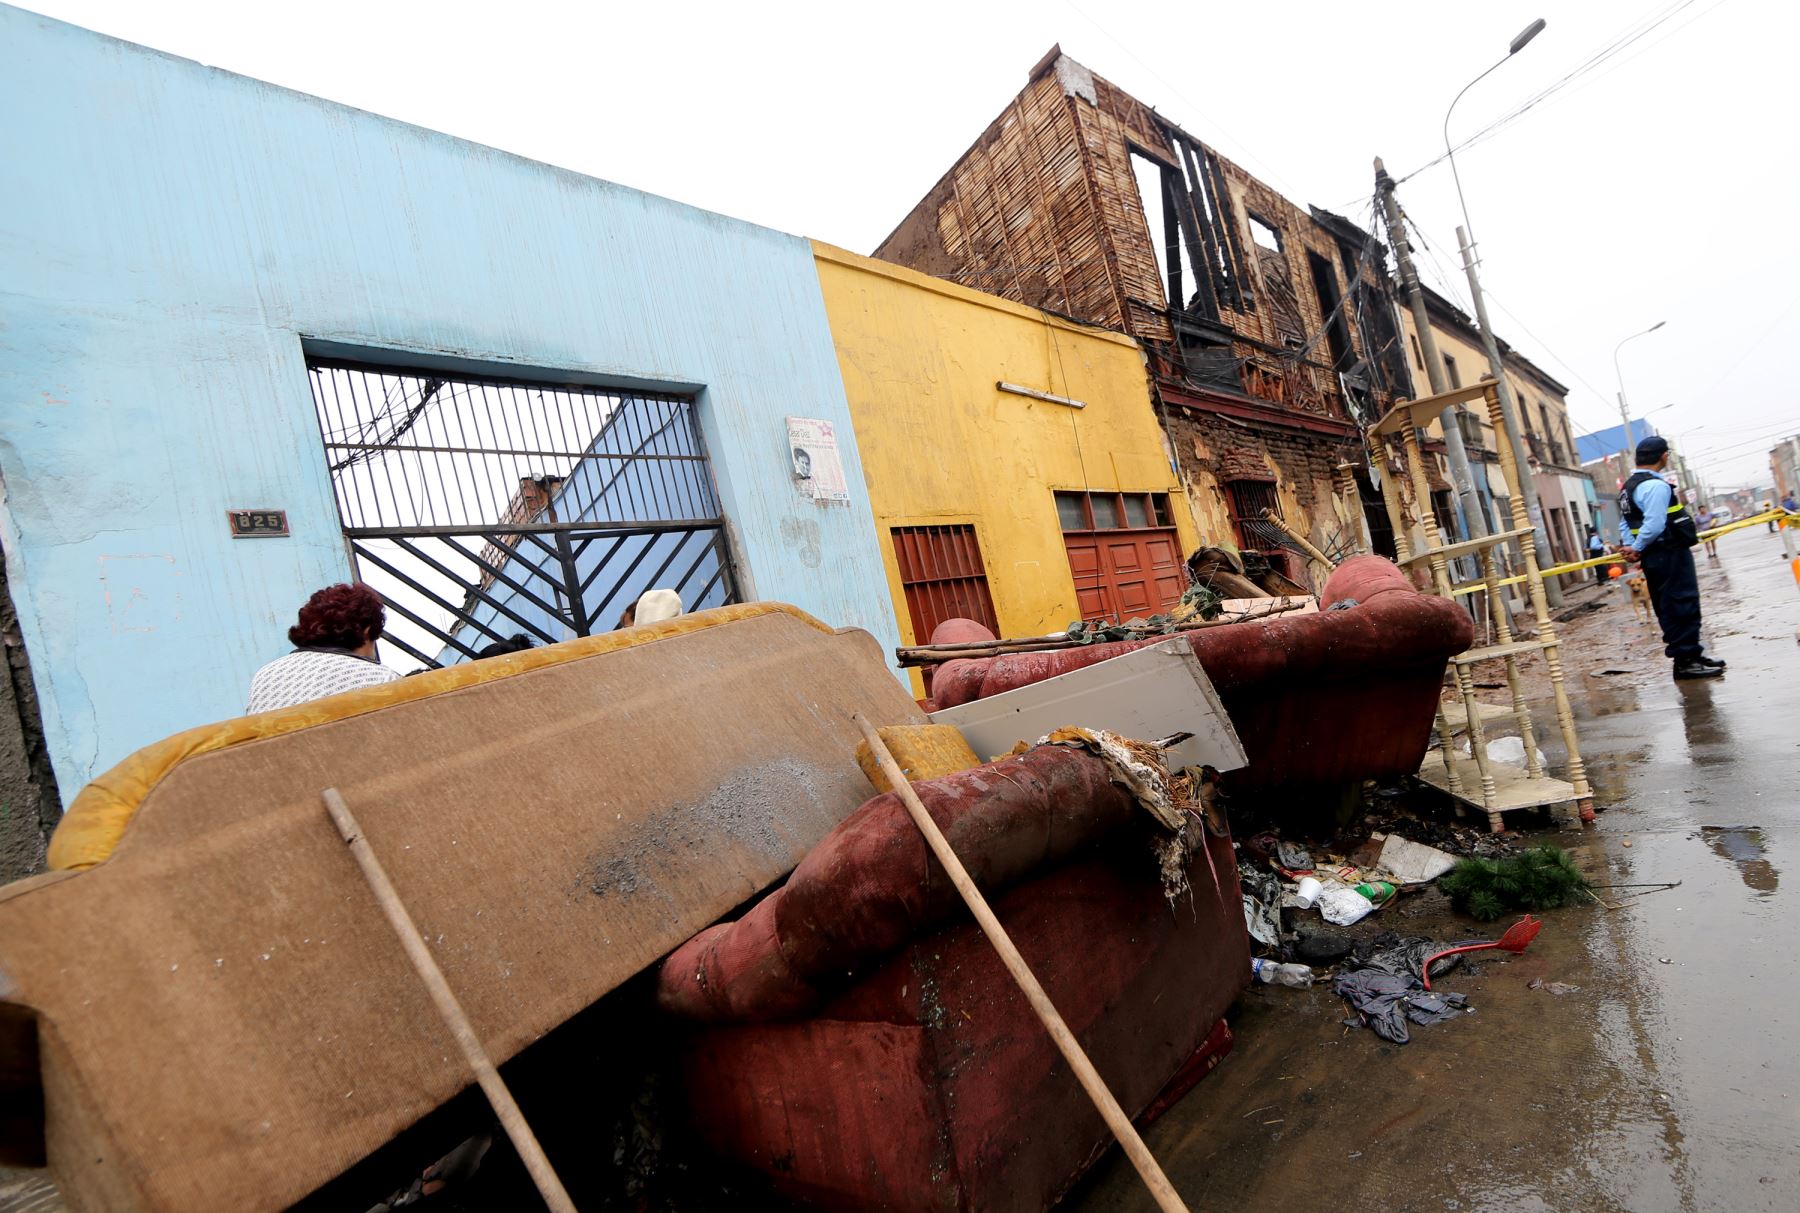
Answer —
1320 701
859 1042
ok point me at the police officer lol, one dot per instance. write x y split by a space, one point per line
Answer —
1657 532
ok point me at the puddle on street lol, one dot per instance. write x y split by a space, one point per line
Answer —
1743 846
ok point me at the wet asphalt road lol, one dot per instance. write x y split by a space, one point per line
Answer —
1670 1080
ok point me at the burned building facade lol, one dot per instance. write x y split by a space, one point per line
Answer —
1269 329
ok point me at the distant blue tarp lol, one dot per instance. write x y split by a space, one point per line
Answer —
1610 441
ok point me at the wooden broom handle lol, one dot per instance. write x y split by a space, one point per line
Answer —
1091 1082
511 1119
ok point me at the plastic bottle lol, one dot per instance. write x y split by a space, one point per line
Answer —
1270 973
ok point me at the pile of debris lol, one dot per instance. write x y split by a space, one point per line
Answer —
1386 977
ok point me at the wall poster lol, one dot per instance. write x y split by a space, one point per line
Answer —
818 468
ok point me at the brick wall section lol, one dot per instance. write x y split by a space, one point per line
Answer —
1212 451
1040 209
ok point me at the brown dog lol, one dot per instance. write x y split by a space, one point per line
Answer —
1640 596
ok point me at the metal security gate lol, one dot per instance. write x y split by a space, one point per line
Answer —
487 508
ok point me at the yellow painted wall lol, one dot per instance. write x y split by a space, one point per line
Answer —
941 445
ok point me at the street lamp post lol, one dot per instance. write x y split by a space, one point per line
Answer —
1527 485
1625 409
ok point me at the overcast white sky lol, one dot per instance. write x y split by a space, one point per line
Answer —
1657 187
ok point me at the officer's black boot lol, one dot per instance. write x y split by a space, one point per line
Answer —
1695 667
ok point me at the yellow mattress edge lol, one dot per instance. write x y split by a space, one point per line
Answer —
100 813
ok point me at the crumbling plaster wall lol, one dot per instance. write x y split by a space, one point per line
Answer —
29 807
1213 451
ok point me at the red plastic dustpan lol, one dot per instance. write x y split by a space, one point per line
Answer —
1518 937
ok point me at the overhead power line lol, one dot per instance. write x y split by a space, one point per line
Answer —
1622 42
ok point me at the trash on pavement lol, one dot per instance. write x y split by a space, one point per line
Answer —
1518 937
1259 849
1385 1001
1551 987
1293 857
1262 905
1380 892
1404 956
1342 905
1411 862
1307 895
1321 947
1270 972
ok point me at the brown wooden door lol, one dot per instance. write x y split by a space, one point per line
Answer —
1126 574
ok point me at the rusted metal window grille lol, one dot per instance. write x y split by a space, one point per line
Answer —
1255 534
486 507
943 577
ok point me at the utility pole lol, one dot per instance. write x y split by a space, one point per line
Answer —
1460 475
1624 408
1527 485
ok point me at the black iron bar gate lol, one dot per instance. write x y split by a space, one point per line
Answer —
483 508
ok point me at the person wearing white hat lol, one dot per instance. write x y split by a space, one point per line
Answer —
652 606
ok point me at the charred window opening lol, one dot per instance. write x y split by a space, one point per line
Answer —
1450 370
1196 190
1331 307
1444 510
1173 235
1381 527
1418 358
1263 233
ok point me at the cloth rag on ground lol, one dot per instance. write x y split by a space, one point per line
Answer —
1385 1002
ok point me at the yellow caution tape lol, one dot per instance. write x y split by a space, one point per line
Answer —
1557 570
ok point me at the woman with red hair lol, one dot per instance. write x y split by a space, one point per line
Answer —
334 650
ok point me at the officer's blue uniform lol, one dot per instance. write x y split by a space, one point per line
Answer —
1652 519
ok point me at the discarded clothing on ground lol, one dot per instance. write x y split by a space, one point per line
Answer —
1293 857
1385 1002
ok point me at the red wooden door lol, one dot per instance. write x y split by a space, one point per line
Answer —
1126 574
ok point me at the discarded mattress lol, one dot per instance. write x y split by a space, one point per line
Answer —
1319 700
219 1015
860 1042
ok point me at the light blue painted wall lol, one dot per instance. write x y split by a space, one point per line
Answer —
168 235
